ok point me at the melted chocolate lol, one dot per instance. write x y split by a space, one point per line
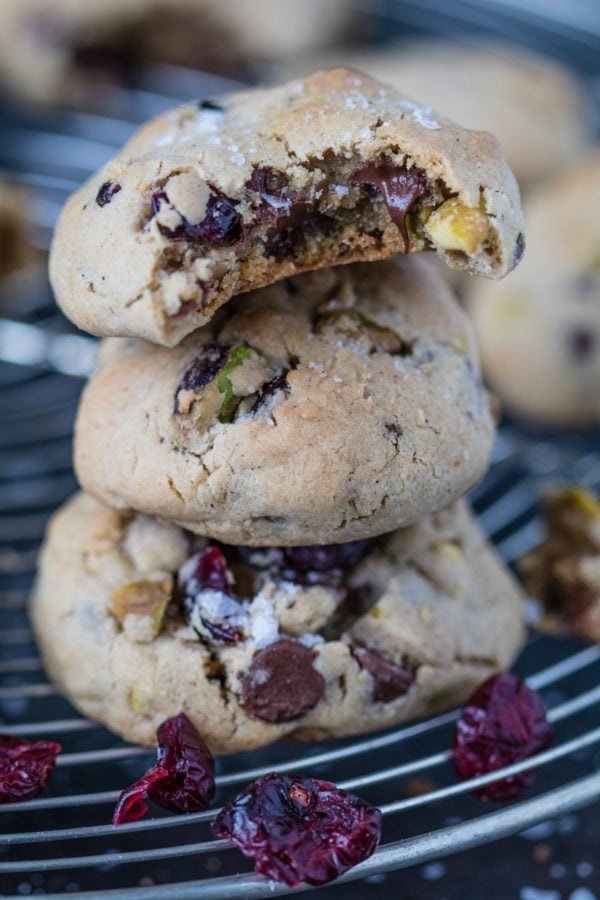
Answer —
400 188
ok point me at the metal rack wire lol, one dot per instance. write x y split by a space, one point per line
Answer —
61 843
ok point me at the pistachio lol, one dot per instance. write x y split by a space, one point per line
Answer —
147 598
456 226
447 549
583 501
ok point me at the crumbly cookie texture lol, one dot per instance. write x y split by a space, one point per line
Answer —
564 571
417 620
336 405
217 198
536 108
539 334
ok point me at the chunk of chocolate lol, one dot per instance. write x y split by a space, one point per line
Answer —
400 188
581 343
282 683
390 680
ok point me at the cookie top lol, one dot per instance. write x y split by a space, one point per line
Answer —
536 108
564 571
217 198
336 405
138 622
539 334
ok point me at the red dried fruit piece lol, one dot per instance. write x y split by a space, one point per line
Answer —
300 829
222 224
106 192
183 779
25 767
503 722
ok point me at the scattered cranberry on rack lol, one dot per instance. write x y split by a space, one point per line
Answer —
25 767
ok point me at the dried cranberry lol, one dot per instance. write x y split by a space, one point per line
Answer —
202 369
106 192
183 779
503 722
300 829
390 680
268 390
319 564
222 223
400 188
206 587
25 767
211 572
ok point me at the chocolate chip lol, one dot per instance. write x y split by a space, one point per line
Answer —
210 104
282 683
106 192
519 247
389 679
581 343
268 390
400 188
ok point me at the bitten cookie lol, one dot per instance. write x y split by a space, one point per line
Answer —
536 108
336 405
539 335
138 621
218 198
564 571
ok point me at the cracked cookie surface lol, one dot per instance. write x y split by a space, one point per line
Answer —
336 405
221 197
539 333
138 621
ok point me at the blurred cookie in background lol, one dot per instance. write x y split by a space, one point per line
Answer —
563 572
69 51
539 333
15 248
534 106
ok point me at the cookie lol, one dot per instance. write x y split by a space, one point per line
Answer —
564 571
336 405
71 52
539 335
218 198
15 248
138 621
536 107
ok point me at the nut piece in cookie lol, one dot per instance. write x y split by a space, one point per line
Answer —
210 202
564 571
140 606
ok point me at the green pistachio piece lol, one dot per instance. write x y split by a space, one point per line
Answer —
142 598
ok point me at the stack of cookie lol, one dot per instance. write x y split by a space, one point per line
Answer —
283 421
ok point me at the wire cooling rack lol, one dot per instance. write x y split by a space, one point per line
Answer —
61 843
